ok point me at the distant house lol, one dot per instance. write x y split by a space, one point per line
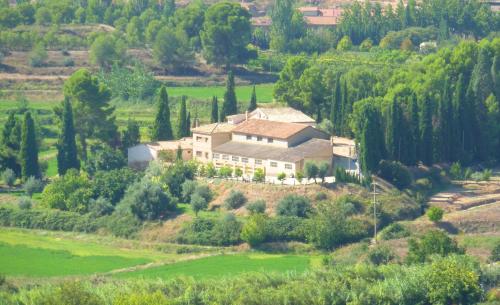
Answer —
278 114
345 154
207 137
321 17
140 155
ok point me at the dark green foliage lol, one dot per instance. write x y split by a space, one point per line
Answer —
100 207
336 108
9 177
104 158
381 255
147 201
218 232
230 105
29 149
25 203
311 170
182 122
111 185
253 101
130 136
226 34
431 243
426 132
11 133
234 200
394 231
71 192
343 176
214 117
257 206
495 253
435 214
162 129
293 205
175 175
414 128
395 173
67 153
254 230
286 228
331 225
372 148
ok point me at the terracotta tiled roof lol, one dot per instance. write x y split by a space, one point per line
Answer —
184 143
281 114
321 20
278 130
213 128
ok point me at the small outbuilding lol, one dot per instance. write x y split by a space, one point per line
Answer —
140 155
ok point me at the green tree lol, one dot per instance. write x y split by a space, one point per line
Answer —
38 55
11 133
293 205
435 214
92 113
394 131
230 104
182 123
433 242
426 134
281 177
198 203
370 139
67 153
29 149
71 192
226 34
9 177
147 201
162 129
259 175
171 49
254 230
345 44
336 107
482 81
214 118
131 136
414 130
107 50
311 170
253 101
323 169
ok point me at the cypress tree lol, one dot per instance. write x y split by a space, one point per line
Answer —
188 124
463 118
131 136
394 131
67 153
253 101
444 132
11 133
495 74
162 129
29 149
230 104
482 80
182 125
372 148
414 130
345 109
336 107
426 136
214 118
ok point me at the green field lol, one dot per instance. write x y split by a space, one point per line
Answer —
225 266
264 92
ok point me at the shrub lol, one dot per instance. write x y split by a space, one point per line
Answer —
323 169
257 207
286 228
487 173
293 205
281 177
456 171
345 44
435 214
216 232
433 242
176 174
495 253
69 292
311 170
381 255
198 203
104 158
147 201
188 188
238 172
394 231
343 176
9 177
366 45
254 230
227 231
396 173
68 62
71 192
259 176
204 191
235 200
112 184
25 203
321 196
38 56
210 171
100 207
32 185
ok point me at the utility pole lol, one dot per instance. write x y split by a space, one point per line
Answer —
374 212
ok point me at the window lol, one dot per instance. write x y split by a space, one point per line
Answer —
206 140
198 153
258 162
199 139
249 137
274 164
244 160
225 157
259 138
236 159
270 140
288 166
216 156
206 155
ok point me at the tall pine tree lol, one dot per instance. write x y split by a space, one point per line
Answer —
29 149
188 124
482 80
182 124
336 108
426 135
253 101
67 153
214 117
162 128
444 133
11 133
371 140
394 130
414 130
230 104
131 136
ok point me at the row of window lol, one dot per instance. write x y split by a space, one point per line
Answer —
245 160
259 139
201 139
